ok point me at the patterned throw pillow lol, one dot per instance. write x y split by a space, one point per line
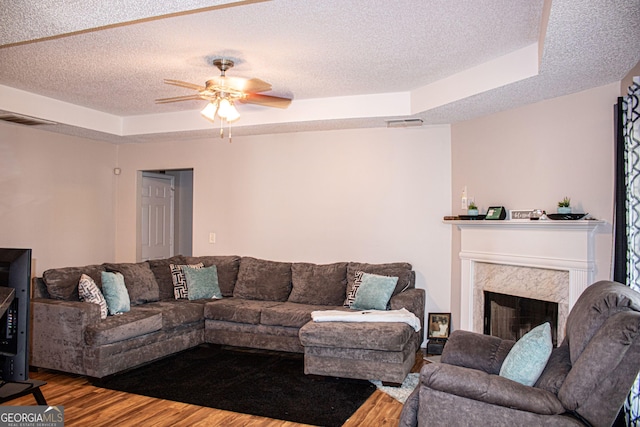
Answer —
180 290
89 292
351 296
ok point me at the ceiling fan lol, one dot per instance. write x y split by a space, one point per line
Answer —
222 92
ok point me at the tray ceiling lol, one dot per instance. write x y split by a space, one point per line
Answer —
96 69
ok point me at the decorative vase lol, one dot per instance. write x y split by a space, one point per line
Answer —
564 210
472 212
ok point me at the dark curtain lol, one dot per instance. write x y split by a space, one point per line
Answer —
620 216
626 268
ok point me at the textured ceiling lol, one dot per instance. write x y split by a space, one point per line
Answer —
114 59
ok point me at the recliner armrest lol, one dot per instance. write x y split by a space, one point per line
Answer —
488 388
476 351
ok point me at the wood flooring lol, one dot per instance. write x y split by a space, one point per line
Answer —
86 405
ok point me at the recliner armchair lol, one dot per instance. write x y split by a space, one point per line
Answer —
585 381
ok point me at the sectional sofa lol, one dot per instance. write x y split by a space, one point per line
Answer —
264 305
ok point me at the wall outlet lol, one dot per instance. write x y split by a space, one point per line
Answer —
212 237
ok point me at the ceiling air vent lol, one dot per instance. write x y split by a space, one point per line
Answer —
404 123
24 120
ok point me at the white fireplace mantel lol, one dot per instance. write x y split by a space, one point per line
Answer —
551 245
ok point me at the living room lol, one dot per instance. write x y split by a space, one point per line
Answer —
373 194
362 194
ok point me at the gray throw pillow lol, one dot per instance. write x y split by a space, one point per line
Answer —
263 280
318 284
62 283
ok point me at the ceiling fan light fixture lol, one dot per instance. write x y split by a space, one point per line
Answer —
232 113
224 108
209 112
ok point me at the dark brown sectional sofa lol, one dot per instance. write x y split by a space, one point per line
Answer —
265 305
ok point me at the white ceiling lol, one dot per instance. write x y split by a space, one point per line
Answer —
96 67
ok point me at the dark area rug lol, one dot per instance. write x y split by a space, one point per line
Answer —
268 384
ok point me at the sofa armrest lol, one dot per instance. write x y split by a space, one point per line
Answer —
488 388
476 351
413 300
62 322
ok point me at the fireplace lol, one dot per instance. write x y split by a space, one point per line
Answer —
550 261
510 317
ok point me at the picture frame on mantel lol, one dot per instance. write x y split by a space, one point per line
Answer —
520 214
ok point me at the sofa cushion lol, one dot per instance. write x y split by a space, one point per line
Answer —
162 273
236 310
115 292
318 284
289 314
139 280
202 283
62 283
263 280
386 336
227 266
89 292
176 312
118 328
556 371
401 270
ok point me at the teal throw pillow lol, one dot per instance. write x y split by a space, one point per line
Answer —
374 292
528 357
202 282
115 292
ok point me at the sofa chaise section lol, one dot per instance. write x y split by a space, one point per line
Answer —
70 335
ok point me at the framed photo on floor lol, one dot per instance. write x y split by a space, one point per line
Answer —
439 325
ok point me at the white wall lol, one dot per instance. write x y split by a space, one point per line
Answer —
371 195
533 156
56 197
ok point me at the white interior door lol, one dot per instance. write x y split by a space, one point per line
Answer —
157 216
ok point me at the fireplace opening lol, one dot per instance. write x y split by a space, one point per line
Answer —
510 317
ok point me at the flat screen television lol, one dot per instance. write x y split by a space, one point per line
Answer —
15 294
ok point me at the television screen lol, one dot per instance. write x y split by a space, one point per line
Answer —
15 292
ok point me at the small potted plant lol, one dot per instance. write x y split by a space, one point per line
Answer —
472 209
564 206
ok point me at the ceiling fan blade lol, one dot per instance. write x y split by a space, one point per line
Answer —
184 84
257 85
178 98
266 100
